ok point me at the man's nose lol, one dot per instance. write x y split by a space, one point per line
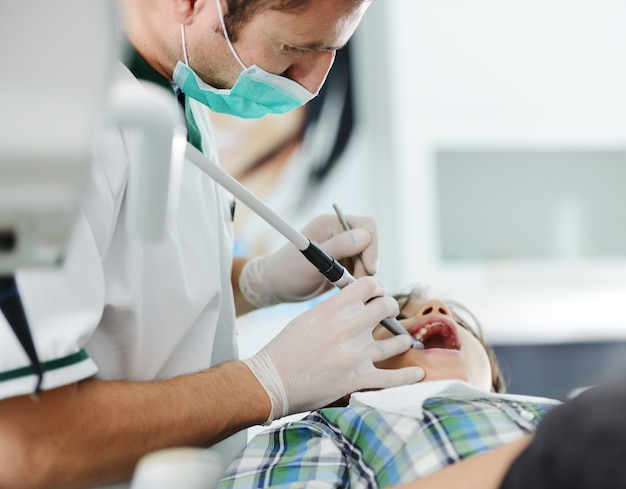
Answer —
435 306
312 70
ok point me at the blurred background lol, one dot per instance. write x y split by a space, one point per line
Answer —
488 138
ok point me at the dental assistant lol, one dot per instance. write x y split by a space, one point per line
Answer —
138 340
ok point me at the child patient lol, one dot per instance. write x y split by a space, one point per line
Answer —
393 436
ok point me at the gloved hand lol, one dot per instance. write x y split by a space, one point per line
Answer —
287 276
329 351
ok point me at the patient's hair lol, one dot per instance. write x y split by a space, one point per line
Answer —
465 319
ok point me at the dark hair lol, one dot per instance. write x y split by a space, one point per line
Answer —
240 11
466 319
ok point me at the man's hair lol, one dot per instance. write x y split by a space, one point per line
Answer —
464 317
239 12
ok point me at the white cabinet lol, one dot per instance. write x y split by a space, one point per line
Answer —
497 155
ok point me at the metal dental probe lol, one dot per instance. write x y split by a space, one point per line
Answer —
346 227
326 264
391 324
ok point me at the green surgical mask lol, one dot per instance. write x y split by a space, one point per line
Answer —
256 92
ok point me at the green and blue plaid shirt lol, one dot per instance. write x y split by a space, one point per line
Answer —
365 446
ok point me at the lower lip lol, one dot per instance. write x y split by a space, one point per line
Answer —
440 351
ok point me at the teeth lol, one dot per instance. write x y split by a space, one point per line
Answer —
420 334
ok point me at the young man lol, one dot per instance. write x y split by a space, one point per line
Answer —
138 340
401 435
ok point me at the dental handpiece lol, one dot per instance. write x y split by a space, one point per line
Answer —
334 272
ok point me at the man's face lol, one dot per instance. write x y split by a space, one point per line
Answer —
298 45
451 350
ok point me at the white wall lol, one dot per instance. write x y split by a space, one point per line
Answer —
513 76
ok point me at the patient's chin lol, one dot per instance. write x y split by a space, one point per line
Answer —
433 374
480 383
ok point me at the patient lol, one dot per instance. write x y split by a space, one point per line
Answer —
393 436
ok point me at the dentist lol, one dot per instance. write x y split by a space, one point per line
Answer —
138 340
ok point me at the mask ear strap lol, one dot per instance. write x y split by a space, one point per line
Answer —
230 45
184 42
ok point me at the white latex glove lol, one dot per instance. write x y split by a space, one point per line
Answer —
329 351
287 276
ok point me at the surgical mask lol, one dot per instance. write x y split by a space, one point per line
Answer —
256 92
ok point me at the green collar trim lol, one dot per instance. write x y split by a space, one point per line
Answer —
58 363
143 71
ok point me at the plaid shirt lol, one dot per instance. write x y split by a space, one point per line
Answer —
362 446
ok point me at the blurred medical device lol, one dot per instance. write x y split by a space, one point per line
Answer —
57 59
182 467
56 93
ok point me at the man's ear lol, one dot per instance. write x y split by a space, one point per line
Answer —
182 10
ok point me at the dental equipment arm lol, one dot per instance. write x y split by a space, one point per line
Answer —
47 137
327 265
154 175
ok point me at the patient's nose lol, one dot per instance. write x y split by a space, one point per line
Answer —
435 306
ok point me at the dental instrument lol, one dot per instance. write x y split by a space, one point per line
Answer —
326 264
346 227
393 326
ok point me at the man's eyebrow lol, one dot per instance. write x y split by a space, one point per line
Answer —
316 46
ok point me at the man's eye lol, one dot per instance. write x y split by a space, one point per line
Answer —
292 49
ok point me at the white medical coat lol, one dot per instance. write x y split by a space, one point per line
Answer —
121 309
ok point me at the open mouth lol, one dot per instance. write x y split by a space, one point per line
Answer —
437 334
